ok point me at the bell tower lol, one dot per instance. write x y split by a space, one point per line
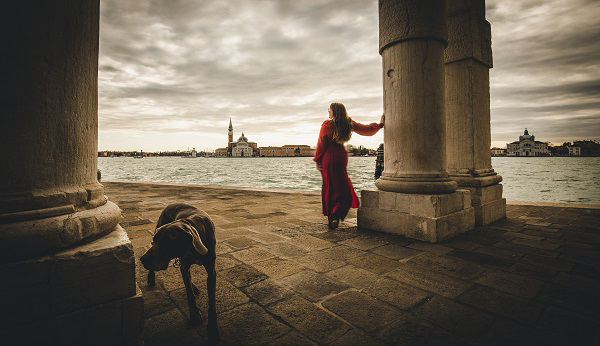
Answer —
229 138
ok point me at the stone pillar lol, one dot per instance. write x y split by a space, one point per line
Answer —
416 196
468 60
412 36
68 268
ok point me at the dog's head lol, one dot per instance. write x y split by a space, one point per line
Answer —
170 241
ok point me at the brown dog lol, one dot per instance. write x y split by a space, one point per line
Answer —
187 233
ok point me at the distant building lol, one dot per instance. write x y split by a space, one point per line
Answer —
230 138
269 151
221 152
299 150
527 146
286 150
243 148
574 151
498 151
240 148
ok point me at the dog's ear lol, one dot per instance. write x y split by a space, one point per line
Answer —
157 234
196 241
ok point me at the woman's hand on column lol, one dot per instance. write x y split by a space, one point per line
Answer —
382 121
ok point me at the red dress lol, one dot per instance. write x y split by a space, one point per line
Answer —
337 193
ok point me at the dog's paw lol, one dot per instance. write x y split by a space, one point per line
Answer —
213 334
195 290
151 279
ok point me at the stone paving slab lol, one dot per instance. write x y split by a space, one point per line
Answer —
283 278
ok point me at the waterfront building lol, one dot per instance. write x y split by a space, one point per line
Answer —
498 151
269 151
229 138
299 150
286 151
240 148
527 146
574 151
190 154
221 152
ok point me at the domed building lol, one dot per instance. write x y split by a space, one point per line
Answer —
243 148
527 146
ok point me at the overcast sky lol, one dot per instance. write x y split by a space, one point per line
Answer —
171 73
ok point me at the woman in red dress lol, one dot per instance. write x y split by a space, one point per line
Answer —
337 194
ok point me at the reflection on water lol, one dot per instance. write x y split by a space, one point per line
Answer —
535 179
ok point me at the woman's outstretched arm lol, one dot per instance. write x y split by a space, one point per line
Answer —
367 130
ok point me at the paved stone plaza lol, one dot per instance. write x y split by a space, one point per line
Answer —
285 279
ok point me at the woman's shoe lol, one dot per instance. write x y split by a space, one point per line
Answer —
335 223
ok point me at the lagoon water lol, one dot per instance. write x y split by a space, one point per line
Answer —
533 179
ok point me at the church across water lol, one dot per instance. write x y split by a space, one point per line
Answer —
244 148
527 146
240 148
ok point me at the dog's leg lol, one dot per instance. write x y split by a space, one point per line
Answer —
151 280
161 221
195 317
211 285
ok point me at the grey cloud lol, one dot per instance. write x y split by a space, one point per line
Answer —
275 65
546 63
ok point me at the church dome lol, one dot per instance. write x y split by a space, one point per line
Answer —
243 138
526 136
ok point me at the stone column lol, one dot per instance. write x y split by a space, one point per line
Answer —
64 258
417 198
468 60
412 37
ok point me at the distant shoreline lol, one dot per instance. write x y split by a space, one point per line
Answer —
252 157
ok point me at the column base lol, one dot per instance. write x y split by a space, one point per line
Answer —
471 181
416 185
42 233
85 295
430 218
488 203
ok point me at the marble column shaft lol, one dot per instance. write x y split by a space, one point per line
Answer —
416 197
50 197
412 37
68 268
468 59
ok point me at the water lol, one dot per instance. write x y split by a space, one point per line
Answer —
535 179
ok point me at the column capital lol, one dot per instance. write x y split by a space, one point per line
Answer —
460 5
411 19
469 36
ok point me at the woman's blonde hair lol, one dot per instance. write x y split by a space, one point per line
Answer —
342 124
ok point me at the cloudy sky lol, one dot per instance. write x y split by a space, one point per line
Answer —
172 72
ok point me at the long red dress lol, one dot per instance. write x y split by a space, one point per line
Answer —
337 193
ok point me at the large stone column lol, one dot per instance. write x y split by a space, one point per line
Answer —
64 259
416 196
468 60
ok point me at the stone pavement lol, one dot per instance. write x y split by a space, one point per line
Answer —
285 279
